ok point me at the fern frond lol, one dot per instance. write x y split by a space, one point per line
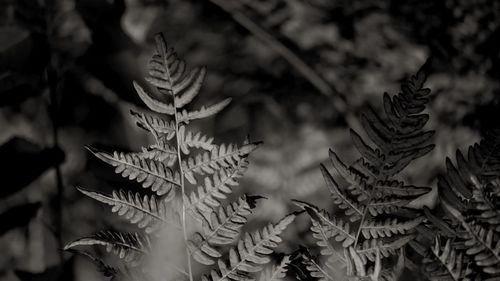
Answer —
157 126
152 174
388 228
465 185
484 246
386 205
188 139
224 156
105 269
208 195
162 152
251 253
356 179
168 73
154 104
368 249
276 272
446 264
399 138
222 227
315 269
204 112
324 227
145 211
372 199
165 68
128 246
190 86
352 208
395 188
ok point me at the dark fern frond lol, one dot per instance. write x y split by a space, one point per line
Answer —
399 137
389 227
445 263
374 200
325 227
369 248
352 208
105 269
469 193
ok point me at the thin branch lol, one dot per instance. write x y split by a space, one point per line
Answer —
305 70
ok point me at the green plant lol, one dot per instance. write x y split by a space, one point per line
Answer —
377 225
177 201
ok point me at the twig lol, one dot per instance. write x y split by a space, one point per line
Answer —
53 109
305 70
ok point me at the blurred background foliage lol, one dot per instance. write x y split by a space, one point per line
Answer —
299 72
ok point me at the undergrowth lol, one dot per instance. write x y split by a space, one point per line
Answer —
374 233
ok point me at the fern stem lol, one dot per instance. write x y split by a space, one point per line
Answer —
183 189
183 215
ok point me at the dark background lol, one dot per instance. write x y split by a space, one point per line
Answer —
299 72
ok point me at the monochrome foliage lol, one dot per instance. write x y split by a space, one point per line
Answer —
373 200
180 157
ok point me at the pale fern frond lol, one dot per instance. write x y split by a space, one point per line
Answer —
154 104
224 156
152 174
251 254
208 196
165 68
157 126
162 152
276 272
189 88
204 112
144 211
128 246
169 73
221 228
188 139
